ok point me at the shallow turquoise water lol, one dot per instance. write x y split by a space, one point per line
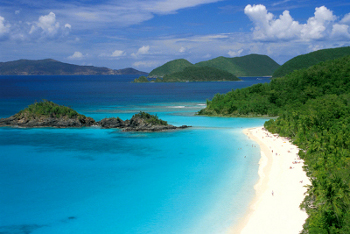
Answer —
91 180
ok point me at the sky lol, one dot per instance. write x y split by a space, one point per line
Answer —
145 34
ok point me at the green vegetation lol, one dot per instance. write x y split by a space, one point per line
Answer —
282 94
308 60
170 67
225 68
141 79
48 109
249 65
193 74
313 106
151 119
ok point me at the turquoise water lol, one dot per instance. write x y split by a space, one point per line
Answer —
91 180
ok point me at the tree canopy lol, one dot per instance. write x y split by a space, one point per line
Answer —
313 109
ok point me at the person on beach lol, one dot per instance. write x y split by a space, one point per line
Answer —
272 192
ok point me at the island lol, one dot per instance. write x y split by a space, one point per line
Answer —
54 67
49 114
217 69
141 122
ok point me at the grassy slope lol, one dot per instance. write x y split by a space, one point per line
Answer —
194 74
224 64
177 65
310 59
249 65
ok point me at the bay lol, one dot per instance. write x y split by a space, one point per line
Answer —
91 180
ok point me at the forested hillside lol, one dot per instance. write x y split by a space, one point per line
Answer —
310 59
193 74
313 106
177 65
249 65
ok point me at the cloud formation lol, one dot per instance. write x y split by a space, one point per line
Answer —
319 27
48 27
118 53
235 53
145 64
4 27
76 55
141 51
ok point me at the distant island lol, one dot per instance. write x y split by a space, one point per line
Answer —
194 74
49 114
218 69
53 67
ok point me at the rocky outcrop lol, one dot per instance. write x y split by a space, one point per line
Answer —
30 118
44 121
136 124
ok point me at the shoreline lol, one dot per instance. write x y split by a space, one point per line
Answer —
279 190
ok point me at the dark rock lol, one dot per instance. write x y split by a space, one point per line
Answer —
47 122
111 123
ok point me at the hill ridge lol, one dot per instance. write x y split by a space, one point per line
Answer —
310 59
248 65
53 67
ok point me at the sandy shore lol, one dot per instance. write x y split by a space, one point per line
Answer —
280 189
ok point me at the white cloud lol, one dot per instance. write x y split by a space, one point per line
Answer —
340 30
145 64
267 27
118 53
48 27
141 51
235 53
17 12
346 19
171 6
4 28
76 55
182 49
48 24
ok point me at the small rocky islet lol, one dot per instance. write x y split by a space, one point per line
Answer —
49 114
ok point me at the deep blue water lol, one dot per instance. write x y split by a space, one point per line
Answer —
91 180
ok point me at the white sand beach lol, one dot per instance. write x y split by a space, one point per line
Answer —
280 189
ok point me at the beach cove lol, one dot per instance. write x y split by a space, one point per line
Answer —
280 189
93 180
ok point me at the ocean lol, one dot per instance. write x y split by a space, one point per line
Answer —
92 180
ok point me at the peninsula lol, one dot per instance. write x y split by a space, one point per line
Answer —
49 114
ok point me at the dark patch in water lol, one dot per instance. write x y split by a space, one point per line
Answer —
20 229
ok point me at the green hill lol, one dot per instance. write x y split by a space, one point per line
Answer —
249 65
53 67
293 90
194 74
313 106
177 65
310 59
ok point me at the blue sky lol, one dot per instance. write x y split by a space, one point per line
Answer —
145 34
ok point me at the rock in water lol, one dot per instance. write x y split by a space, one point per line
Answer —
47 114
